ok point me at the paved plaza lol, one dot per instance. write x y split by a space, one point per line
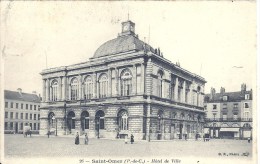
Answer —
42 146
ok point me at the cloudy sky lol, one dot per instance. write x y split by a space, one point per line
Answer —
216 40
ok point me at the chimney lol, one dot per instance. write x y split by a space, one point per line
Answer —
34 92
243 88
222 90
19 90
212 93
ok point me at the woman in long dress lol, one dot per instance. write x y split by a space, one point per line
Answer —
77 139
86 139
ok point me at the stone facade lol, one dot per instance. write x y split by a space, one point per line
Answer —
127 87
21 109
229 114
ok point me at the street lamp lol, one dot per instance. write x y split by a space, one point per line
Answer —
53 118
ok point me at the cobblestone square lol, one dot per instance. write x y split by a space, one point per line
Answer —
16 146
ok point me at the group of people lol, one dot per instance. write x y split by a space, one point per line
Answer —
85 139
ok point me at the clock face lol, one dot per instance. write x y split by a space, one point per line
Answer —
125 28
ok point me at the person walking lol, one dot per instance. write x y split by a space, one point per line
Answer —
86 139
132 138
248 139
48 134
77 139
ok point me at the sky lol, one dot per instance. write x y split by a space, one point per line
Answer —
215 39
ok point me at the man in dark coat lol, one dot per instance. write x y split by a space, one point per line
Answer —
132 139
77 139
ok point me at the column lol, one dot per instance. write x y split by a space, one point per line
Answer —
80 88
176 89
109 82
43 90
117 82
184 91
134 82
69 87
47 90
63 86
59 94
148 123
94 85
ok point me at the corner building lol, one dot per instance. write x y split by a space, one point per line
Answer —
127 87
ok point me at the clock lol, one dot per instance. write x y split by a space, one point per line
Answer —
126 28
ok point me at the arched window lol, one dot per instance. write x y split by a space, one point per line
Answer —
182 116
84 120
100 120
74 89
54 90
174 114
88 88
160 120
103 84
71 120
126 83
198 96
123 120
51 120
159 83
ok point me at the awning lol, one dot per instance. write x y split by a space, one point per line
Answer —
229 130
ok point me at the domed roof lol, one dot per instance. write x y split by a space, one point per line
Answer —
121 44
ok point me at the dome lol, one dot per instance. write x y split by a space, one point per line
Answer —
121 44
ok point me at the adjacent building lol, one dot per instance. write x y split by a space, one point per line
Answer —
127 87
21 109
229 114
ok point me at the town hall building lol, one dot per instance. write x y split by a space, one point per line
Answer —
126 88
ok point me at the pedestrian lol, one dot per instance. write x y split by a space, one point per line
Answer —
86 139
132 138
126 138
185 137
204 137
48 134
77 139
248 139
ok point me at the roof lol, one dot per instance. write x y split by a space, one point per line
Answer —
232 96
28 97
121 44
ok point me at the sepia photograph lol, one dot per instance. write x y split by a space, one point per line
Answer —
128 82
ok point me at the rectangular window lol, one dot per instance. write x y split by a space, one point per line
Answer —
246 116
12 104
30 116
38 126
16 115
31 107
26 106
38 107
34 116
6 114
102 124
21 126
21 117
21 105
214 106
6 104
11 115
11 126
235 117
6 125
26 116
17 105
34 126
38 116
224 117
35 107
225 98
31 125
246 105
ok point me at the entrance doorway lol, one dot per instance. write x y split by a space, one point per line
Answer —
181 127
99 122
71 122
